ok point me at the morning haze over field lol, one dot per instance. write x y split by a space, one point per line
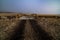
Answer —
31 6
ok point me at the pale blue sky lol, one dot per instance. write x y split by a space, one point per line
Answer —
32 6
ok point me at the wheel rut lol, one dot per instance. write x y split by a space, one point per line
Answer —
41 34
30 30
19 31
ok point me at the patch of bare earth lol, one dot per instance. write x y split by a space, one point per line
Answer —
29 32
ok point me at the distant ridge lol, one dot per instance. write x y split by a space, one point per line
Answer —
7 12
10 13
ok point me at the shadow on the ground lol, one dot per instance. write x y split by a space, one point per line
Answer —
42 34
19 31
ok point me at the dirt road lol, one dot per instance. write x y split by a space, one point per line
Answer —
19 31
30 30
41 34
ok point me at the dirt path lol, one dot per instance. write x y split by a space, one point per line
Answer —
41 34
19 32
29 32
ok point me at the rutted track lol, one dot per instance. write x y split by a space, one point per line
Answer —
18 35
41 34
32 32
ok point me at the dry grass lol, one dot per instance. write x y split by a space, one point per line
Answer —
51 25
7 28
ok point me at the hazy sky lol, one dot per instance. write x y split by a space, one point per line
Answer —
0 5
33 6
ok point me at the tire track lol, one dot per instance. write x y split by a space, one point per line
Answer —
19 31
41 34
29 32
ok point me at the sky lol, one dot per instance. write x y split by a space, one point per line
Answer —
31 6
0 5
